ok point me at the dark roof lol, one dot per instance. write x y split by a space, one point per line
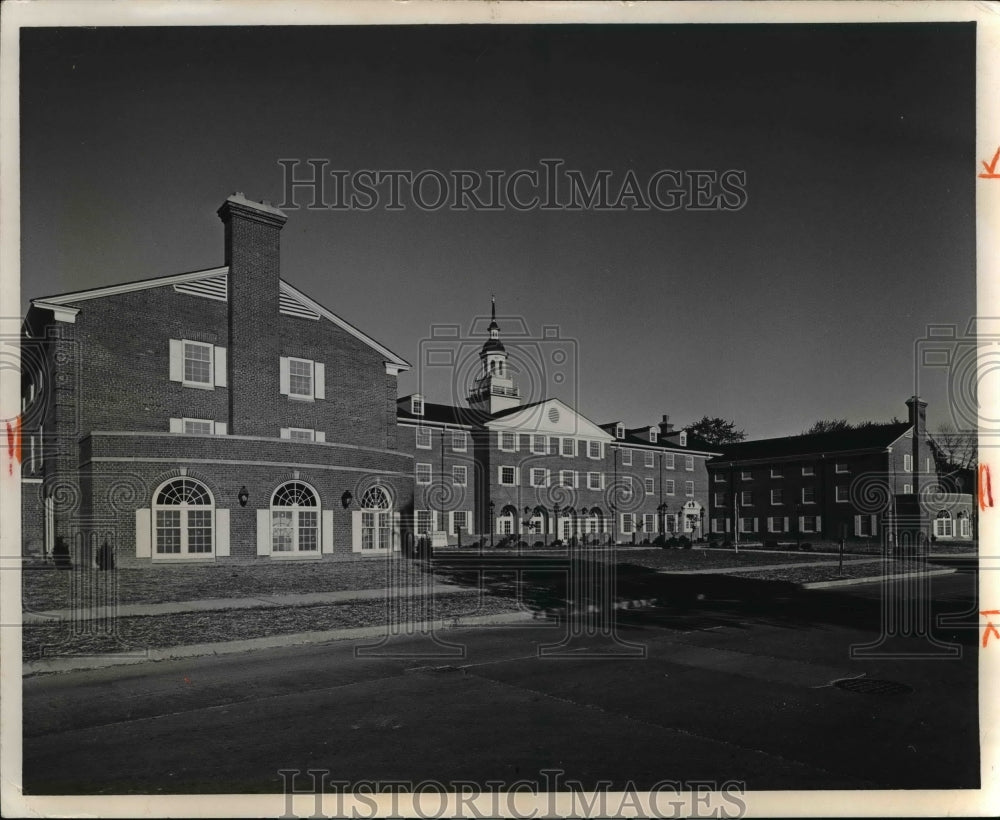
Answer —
875 437
441 413
493 344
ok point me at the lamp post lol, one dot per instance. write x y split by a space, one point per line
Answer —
662 510
493 506
555 511
584 512
701 523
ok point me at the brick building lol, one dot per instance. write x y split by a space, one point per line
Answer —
872 483
542 471
218 414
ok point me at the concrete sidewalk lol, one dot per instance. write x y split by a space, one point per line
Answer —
214 604
759 567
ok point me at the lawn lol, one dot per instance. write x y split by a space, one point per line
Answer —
804 575
46 588
705 559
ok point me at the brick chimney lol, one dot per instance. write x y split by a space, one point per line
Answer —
253 257
918 420
665 426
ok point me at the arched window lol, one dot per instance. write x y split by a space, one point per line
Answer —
183 512
295 519
942 525
376 520
505 521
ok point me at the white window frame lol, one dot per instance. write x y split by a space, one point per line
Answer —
907 489
459 475
572 447
841 467
746 498
683 439
907 462
310 435
649 522
423 467
311 395
539 449
668 486
668 461
743 524
746 475
808 469
718 499
628 523
776 472
572 478
594 449
465 518
965 527
417 528
417 405
649 458
652 435
626 457
501 470
846 494
803 519
420 432
648 486
296 515
780 528
183 525
619 431
689 489
780 496
188 432
802 495
595 481
718 478
544 482
459 441
502 437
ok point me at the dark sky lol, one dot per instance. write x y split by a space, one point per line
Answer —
857 143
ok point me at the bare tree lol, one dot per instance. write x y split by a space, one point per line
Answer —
955 449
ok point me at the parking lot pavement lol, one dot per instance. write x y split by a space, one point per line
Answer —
717 695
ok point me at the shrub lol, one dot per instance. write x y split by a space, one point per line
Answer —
538 545
105 556
770 544
805 546
684 542
60 554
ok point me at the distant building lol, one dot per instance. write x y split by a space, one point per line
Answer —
873 482
542 471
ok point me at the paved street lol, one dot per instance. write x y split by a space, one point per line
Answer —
730 688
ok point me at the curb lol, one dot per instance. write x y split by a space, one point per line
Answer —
843 582
85 662
753 568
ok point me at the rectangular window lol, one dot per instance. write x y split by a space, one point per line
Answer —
628 523
746 498
508 476
424 438
459 475
775 472
688 462
964 529
927 465
775 524
647 485
808 469
416 405
748 524
595 481
907 489
649 458
423 522
458 441
538 445
776 496
508 442
301 434
553 445
538 476
863 525
423 473
627 458
300 378
199 427
718 525
568 447
668 461
567 478
809 523
619 431
593 449
627 487
842 493
459 521
668 486
907 463
718 478
746 475
198 363
840 467
649 522
719 499
808 495
689 488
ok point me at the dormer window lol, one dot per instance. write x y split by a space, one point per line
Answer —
620 431
684 440
417 405
652 435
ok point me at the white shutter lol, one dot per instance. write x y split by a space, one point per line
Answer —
786 524
874 525
319 375
263 532
285 432
327 532
283 378
320 435
857 525
356 530
176 360
220 366
754 524
819 523
729 524
802 523
222 533
176 425
220 428
395 532
143 533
